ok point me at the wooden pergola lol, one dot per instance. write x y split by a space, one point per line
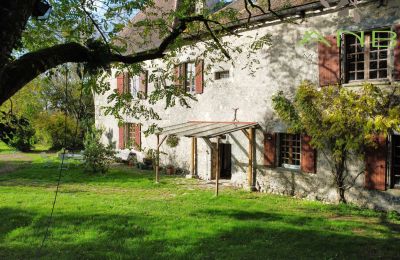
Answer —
207 130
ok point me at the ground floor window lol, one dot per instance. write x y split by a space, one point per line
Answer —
132 136
395 171
289 150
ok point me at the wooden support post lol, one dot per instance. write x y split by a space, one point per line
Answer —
251 158
158 159
195 156
218 169
194 151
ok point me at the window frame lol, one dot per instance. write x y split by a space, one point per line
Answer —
291 146
217 75
130 136
190 84
135 86
366 52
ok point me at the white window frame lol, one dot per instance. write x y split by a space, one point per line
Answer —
190 77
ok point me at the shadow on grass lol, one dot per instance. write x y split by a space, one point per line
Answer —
255 235
40 173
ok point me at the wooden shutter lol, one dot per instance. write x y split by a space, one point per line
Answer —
396 72
126 82
180 73
121 138
329 62
270 149
138 139
143 83
176 75
120 83
199 80
308 155
375 168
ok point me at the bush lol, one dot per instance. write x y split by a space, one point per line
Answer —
97 156
52 131
172 141
16 132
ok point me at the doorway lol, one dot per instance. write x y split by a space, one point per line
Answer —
225 158
395 172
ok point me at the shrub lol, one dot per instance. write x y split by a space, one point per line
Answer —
172 141
53 130
97 156
16 131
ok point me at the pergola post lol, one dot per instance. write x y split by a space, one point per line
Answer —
159 143
250 168
194 158
158 159
218 169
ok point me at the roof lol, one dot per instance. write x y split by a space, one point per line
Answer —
131 32
276 5
162 7
207 129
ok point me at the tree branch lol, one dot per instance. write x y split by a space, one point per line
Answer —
21 71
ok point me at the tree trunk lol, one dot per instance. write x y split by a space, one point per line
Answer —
340 178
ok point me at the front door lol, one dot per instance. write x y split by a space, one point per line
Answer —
395 174
225 157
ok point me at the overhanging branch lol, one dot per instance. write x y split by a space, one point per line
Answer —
21 71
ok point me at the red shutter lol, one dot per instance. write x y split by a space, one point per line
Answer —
120 83
329 62
375 168
269 149
308 155
199 80
143 82
180 71
121 139
126 81
396 72
138 139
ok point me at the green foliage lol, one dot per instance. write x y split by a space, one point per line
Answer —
340 118
341 121
16 131
97 156
172 141
57 129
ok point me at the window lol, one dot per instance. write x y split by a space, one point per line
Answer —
221 74
135 85
289 152
131 136
190 69
368 60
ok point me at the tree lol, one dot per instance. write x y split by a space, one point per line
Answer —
341 122
31 46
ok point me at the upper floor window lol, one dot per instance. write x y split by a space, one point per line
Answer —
190 69
289 150
221 74
135 85
189 77
367 60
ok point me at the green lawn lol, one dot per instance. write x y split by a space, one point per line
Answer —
126 215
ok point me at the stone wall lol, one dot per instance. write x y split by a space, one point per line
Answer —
282 66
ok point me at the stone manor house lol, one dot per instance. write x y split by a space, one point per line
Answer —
234 106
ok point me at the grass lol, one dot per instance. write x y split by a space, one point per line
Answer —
124 214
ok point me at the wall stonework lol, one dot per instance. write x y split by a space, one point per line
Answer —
283 66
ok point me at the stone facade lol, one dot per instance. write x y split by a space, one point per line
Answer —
283 65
